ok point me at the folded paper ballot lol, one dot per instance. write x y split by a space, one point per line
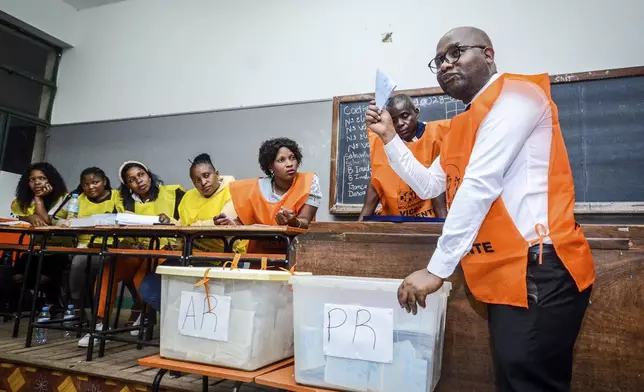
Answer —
384 88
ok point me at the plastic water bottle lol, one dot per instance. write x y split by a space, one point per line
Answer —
69 315
72 207
41 333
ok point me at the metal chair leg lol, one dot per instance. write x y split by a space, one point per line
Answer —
156 385
119 305
23 290
237 386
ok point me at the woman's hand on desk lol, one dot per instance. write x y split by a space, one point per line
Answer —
416 287
36 220
163 218
380 122
284 216
223 220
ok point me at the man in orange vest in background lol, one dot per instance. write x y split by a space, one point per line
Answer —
510 222
386 187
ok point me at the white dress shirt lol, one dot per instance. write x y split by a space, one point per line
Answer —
510 159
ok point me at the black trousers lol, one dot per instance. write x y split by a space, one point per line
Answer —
533 347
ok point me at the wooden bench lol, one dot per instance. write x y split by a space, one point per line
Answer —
239 376
284 378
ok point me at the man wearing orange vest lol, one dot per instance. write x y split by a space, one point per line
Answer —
510 222
386 187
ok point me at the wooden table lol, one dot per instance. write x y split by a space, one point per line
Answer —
284 378
609 354
206 371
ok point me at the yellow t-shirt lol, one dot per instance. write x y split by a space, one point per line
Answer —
86 207
61 214
196 210
166 203
19 212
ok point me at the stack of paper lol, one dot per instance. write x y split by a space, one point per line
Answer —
94 220
14 223
136 220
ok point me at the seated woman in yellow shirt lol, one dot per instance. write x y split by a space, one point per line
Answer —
142 192
199 207
284 197
97 197
39 197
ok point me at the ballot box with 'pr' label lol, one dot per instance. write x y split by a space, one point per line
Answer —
351 334
241 319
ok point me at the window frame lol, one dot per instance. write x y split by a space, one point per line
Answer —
48 87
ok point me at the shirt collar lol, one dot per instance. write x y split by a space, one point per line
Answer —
489 82
420 129
138 199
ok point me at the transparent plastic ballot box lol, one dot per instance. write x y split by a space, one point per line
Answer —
352 334
241 319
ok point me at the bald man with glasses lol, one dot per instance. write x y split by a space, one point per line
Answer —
510 196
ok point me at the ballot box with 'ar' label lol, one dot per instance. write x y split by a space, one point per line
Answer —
241 319
351 334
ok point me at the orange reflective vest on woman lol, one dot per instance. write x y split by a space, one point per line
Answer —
396 197
495 268
252 208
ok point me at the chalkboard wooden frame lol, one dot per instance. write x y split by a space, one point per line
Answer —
336 208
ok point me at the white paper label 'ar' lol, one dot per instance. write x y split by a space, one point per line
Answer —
197 319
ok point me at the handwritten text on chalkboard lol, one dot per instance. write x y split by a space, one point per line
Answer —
358 332
353 167
197 319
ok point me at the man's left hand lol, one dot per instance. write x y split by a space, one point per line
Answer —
416 287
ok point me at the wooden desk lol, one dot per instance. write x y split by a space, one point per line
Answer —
206 371
284 378
187 233
609 352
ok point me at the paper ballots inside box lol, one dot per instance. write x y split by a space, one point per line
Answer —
347 373
358 332
204 317
406 370
136 219
384 88
243 322
312 354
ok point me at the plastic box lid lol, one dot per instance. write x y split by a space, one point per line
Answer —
220 273
355 283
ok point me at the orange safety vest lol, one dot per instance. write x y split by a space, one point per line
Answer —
396 197
495 268
252 208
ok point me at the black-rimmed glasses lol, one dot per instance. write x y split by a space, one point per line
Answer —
452 55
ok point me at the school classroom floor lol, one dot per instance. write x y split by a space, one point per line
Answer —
60 365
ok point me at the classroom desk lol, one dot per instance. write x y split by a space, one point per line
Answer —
39 237
609 354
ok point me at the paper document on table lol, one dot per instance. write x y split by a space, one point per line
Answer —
94 220
136 219
14 223
384 88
